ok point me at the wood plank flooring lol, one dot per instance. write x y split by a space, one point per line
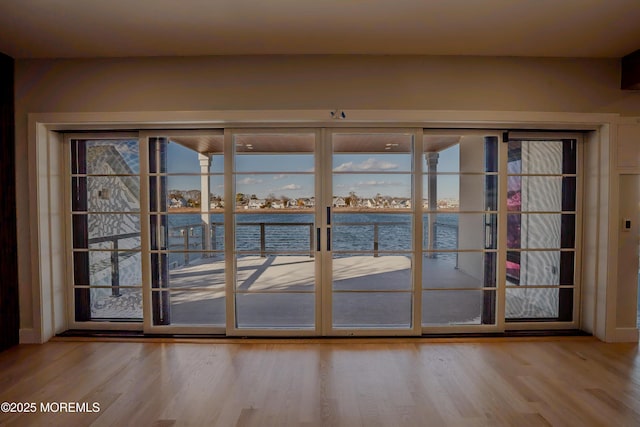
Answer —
534 382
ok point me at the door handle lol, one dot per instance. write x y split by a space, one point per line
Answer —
328 215
328 239
318 239
488 240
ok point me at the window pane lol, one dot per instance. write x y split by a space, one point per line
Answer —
275 153
275 192
184 193
391 143
107 268
371 273
536 157
197 308
442 270
113 193
454 231
112 157
196 270
184 155
534 231
442 308
105 305
453 153
533 303
372 309
381 191
282 273
535 268
371 162
275 310
447 194
371 232
275 233
535 193
114 230
188 232
461 192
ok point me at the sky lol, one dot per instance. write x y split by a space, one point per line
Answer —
291 175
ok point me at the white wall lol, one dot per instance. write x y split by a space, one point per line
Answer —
628 250
298 82
624 275
471 232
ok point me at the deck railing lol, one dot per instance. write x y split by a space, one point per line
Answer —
115 263
189 234
376 231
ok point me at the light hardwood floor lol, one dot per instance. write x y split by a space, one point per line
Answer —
491 382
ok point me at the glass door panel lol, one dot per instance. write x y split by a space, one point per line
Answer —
105 218
371 231
186 206
274 254
459 230
541 230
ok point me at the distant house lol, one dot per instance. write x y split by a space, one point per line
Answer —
339 202
216 204
277 204
256 203
177 202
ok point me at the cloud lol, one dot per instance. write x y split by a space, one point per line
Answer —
281 176
373 183
248 180
290 187
370 164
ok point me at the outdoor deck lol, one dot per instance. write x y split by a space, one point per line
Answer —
279 291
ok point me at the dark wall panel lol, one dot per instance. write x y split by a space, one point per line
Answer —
631 71
9 309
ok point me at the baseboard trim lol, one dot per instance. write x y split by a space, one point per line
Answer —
625 335
29 336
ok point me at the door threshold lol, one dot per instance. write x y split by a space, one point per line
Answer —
138 336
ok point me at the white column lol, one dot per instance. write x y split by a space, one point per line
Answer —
432 184
205 164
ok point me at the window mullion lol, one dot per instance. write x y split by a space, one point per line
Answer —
143 144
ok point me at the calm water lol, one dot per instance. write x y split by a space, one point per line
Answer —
291 233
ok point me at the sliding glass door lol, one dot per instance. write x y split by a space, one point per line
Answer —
542 223
186 228
105 222
336 231
370 230
460 230
276 272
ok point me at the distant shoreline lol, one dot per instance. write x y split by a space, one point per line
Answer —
303 210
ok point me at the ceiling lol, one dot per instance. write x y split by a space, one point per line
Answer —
263 143
125 28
